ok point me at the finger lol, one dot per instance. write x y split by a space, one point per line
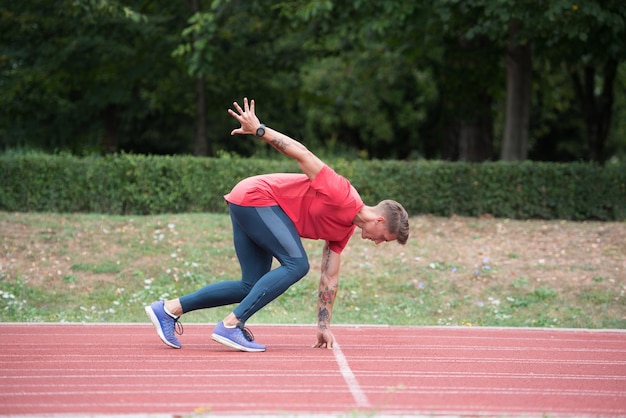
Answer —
238 131
234 114
238 108
246 106
252 106
331 342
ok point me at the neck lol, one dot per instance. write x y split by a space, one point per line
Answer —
365 215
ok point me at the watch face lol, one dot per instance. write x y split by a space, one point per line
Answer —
260 131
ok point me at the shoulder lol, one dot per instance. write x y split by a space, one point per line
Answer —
328 176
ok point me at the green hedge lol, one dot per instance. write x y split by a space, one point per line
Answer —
137 184
528 190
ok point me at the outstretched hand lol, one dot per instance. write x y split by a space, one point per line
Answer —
325 339
246 117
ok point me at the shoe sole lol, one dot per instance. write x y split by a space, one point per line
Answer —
232 344
157 326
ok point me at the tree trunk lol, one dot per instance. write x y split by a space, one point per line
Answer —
201 144
472 110
476 136
474 143
110 137
518 90
597 109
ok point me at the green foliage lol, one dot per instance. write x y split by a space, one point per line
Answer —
511 190
137 184
122 184
85 75
385 79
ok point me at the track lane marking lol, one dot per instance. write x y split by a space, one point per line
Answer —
359 396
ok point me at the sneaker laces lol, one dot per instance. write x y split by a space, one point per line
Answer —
178 327
169 328
246 332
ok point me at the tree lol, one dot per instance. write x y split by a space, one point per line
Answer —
199 23
468 77
518 61
590 43
448 79
360 85
234 48
508 26
85 75
588 37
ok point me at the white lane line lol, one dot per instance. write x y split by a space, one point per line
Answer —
348 376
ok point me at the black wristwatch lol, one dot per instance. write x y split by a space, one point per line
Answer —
260 131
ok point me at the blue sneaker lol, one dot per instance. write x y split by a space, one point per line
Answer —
239 338
165 325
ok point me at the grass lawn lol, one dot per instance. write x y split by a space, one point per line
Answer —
453 271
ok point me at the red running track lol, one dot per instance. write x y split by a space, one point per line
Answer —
118 369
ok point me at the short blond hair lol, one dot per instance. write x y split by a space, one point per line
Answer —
396 218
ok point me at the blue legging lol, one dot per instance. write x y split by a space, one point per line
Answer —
260 234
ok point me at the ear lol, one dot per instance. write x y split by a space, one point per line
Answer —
380 219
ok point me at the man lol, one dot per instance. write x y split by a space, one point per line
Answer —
270 214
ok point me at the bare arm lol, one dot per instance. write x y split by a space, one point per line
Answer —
309 163
329 284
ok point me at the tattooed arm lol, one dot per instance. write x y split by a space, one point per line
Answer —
329 283
309 163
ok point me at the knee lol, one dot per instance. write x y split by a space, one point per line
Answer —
301 267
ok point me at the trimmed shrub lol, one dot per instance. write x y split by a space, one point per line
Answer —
140 184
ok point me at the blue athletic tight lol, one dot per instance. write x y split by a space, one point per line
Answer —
260 234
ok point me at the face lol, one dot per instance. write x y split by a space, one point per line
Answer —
377 231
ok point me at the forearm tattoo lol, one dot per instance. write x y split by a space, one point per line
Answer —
323 318
326 264
279 144
326 296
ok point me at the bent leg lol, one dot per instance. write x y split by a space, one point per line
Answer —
254 261
271 229
260 234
